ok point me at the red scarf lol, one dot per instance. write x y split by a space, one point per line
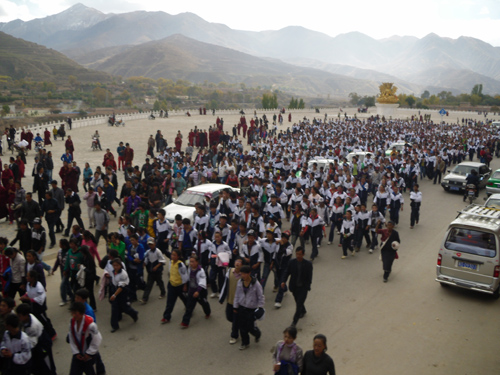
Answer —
86 323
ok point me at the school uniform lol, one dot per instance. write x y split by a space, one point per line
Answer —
373 218
217 270
397 202
121 304
268 250
20 347
281 258
197 283
153 258
84 339
416 201
347 231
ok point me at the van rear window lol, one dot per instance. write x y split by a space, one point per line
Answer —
471 242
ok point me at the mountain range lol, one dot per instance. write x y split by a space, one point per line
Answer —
111 42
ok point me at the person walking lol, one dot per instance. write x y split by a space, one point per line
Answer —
101 219
233 275
288 357
388 250
119 295
178 277
247 299
58 195
416 201
300 272
280 264
440 167
74 211
154 262
316 361
197 291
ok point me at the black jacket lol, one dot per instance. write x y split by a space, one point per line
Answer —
30 211
293 271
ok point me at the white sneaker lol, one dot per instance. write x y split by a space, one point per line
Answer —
213 295
277 305
343 257
243 347
62 303
329 243
233 341
370 251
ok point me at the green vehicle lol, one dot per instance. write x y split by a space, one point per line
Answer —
493 184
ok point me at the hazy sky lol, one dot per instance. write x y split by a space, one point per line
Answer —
378 19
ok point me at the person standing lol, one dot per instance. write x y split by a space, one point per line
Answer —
440 167
300 272
390 244
197 291
84 339
52 212
128 155
40 184
248 298
416 201
316 361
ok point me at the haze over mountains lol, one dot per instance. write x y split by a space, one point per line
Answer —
157 44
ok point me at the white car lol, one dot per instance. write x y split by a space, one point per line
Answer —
325 163
360 155
493 201
399 145
184 205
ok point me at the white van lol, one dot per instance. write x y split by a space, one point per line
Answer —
469 254
495 125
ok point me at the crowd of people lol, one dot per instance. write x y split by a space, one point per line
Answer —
277 195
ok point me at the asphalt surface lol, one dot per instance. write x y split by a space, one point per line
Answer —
409 325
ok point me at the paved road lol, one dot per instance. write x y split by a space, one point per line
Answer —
409 325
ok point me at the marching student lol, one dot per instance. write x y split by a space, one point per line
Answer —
251 253
217 267
347 231
374 217
382 199
15 348
201 220
178 277
336 217
397 202
222 227
84 339
361 220
416 201
187 238
119 295
197 291
154 262
274 209
315 223
269 246
163 232
280 263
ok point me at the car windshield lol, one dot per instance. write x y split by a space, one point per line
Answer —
472 242
463 170
492 202
496 175
189 199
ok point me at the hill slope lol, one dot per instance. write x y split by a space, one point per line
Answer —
20 59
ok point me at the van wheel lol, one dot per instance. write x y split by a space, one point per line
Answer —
443 285
496 293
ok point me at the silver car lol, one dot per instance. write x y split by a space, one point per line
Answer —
456 178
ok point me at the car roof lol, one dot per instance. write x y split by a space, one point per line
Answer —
208 188
472 164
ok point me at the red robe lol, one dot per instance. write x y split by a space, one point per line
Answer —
69 146
178 143
46 137
191 138
22 168
6 175
29 139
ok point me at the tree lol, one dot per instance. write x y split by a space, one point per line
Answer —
156 106
5 109
73 81
269 101
475 99
355 98
301 104
477 90
425 95
369 101
410 100
129 103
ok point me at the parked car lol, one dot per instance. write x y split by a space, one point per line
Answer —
493 184
470 252
398 146
361 155
455 179
184 204
493 201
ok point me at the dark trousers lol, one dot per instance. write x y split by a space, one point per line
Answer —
316 234
40 313
395 215
191 304
78 219
121 306
152 278
246 325
374 242
79 367
436 175
232 317
415 215
388 257
132 275
51 224
59 224
280 272
347 245
14 289
10 368
99 364
89 285
174 292
99 234
216 276
300 295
